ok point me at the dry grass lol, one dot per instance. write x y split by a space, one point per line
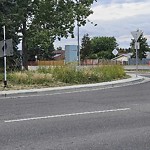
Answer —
62 76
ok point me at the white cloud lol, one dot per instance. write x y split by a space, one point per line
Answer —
116 18
119 11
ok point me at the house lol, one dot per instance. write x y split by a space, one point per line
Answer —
123 58
148 55
59 55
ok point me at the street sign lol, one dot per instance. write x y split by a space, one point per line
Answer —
8 48
115 52
137 45
136 34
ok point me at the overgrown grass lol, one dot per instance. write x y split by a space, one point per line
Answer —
30 77
68 75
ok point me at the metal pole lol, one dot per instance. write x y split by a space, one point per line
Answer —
5 72
78 46
136 59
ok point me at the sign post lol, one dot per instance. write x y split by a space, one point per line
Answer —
4 55
136 35
78 44
115 52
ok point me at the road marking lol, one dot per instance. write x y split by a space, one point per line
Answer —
66 115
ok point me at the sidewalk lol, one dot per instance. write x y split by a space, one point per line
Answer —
140 67
124 82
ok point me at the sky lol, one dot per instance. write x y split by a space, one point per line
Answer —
116 18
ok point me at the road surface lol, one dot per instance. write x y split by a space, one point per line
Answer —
106 119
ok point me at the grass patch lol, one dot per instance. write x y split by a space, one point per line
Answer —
61 76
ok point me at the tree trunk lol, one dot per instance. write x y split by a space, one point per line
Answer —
24 47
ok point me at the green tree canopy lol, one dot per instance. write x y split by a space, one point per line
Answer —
40 22
85 50
51 19
103 47
6 18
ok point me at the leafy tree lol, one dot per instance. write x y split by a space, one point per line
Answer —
6 18
85 47
41 53
143 47
50 18
103 46
40 22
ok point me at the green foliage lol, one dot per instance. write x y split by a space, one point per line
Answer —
143 47
30 78
85 47
66 75
105 55
109 72
7 19
70 75
98 47
40 22
45 70
1 77
103 46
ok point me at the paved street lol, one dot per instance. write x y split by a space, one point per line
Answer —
106 119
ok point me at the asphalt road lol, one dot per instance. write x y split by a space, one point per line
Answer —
106 119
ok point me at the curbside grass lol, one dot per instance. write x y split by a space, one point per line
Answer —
64 75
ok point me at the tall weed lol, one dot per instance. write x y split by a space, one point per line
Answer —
67 74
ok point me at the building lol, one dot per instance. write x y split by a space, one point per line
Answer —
123 58
59 55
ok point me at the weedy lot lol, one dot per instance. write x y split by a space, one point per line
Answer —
62 76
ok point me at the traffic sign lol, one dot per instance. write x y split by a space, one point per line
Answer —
115 52
8 48
136 34
137 45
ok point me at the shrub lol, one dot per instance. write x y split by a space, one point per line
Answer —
67 75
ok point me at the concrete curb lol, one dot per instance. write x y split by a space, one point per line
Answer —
124 82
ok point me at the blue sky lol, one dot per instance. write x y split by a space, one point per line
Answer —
115 18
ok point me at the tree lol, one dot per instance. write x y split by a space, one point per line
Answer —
103 47
50 18
40 22
6 18
85 46
143 47
41 53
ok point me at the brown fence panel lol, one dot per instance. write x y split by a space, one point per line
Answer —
97 62
51 63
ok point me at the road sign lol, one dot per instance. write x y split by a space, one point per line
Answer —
8 48
136 34
137 45
115 52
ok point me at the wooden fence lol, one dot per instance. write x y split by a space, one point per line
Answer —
98 62
85 62
46 63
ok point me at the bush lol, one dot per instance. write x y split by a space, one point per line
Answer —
109 72
67 75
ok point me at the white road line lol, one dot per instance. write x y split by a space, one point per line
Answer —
66 115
